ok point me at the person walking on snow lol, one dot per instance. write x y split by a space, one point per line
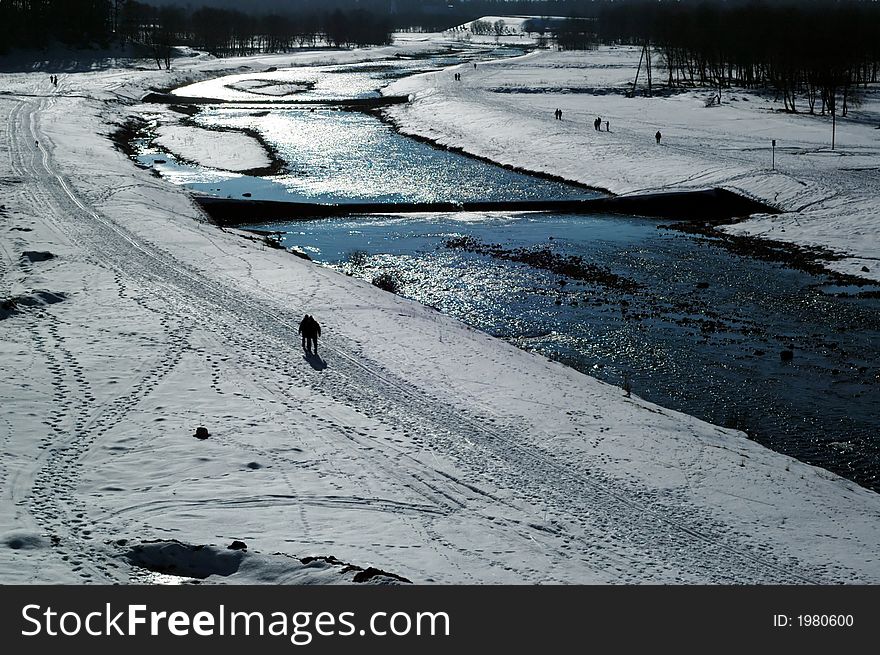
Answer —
658 136
315 333
304 329
310 331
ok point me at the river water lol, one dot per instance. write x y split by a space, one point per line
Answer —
679 318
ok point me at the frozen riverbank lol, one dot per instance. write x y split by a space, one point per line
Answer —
504 111
230 151
414 444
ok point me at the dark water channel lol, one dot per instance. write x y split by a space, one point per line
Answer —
702 332
696 327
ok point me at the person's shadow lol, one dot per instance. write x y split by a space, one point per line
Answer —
315 361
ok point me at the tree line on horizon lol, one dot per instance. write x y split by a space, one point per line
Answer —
813 53
229 32
29 24
229 27
39 23
808 51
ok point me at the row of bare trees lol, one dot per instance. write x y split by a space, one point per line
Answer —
224 32
247 25
227 32
812 54
38 23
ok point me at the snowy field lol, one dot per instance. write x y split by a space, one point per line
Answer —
413 444
226 151
504 110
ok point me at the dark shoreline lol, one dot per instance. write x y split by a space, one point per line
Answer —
709 204
346 103
691 209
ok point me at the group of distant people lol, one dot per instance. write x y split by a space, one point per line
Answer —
53 79
457 76
597 124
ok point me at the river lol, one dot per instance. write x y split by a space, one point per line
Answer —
680 319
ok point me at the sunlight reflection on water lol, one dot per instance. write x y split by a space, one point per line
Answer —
711 351
337 155
360 80
702 334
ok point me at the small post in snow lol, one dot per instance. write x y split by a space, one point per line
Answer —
774 154
833 125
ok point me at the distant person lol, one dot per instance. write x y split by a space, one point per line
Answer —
314 333
475 65
310 331
607 126
304 326
658 136
597 124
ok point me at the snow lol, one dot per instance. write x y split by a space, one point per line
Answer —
511 24
229 151
504 111
415 445
172 559
268 87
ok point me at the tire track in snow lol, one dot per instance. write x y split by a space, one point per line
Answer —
52 498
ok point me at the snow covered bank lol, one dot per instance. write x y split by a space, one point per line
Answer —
504 110
239 566
269 87
413 444
229 151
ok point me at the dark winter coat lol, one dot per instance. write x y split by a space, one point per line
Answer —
309 327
